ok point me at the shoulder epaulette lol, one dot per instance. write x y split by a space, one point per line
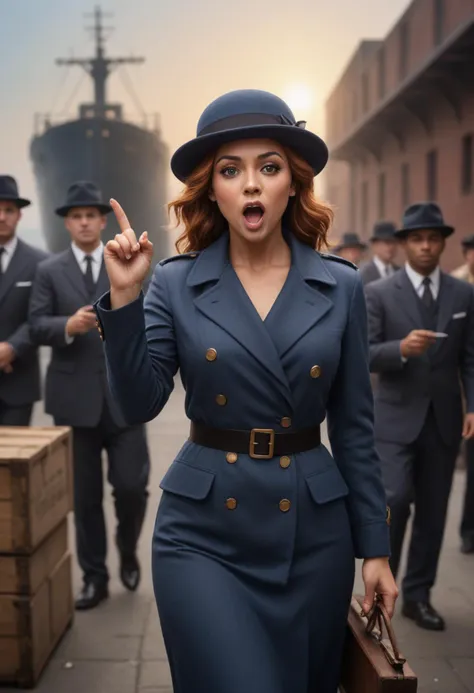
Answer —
181 256
336 258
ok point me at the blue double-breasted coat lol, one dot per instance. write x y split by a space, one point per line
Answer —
253 560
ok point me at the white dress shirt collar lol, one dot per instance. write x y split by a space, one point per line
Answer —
384 270
417 280
96 256
9 247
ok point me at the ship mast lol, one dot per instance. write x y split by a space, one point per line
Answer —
99 67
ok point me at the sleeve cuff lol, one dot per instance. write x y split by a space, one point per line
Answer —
128 320
372 540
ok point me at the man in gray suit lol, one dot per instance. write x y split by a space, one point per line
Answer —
421 334
77 395
19 367
384 248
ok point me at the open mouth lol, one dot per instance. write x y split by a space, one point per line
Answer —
253 214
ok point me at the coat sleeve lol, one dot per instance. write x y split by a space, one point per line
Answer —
383 356
467 356
46 328
140 350
350 419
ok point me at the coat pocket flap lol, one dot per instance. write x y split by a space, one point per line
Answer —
327 485
185 480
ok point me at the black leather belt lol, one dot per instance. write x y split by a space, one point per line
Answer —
259 443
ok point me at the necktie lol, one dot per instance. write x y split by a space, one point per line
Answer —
89 277
427 295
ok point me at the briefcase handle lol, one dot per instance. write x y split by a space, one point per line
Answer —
376 619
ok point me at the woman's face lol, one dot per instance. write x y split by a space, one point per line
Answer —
251 184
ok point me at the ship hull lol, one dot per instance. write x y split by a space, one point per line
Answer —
125 161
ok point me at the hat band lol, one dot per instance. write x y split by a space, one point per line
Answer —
248 119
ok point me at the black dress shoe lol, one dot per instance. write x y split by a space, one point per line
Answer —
130 572
424 615
467 544
91 595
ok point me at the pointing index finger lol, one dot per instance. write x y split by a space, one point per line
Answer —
120 215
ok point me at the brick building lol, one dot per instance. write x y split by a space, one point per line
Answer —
400 123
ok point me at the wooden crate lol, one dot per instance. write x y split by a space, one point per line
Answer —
35 484
32 626
24 575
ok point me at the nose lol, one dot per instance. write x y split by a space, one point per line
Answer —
252 186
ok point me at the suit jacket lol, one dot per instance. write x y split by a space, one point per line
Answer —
405 390
22 386
370 272
196 303
76 383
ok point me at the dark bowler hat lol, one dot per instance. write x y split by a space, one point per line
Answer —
246 114
83 194
9 191
423 215
468 242
383 231
350 240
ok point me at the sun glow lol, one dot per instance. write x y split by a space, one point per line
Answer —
300 98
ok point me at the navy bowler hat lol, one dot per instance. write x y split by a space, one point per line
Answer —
248 114
423 215
83 194
9 192
384 231
350 240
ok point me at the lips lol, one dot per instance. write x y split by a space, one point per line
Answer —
253 213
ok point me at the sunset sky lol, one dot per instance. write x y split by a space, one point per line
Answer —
194 49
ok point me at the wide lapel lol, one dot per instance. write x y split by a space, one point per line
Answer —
446 307
408 300
17 264
226 303
303 304
73 274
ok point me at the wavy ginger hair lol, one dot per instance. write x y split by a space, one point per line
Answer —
203 222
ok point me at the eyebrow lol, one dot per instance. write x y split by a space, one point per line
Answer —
265 155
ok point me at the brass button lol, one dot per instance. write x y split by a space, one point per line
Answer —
193 255
286 422
389 516
211 354
231 457
285 505
231 503
221 400
285 461
315 371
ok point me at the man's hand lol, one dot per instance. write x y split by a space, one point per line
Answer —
81 322
7 355
417 342
468 428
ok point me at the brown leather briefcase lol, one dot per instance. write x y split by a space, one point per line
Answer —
372 663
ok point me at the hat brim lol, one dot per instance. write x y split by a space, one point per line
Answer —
19 201
374 239
445 230
360 246
103 208
308 145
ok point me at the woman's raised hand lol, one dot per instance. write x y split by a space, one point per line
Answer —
127 259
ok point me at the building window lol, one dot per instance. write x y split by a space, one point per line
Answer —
365 92
432 174
404 48
364 205
467 174
381 72
438 21
405 185
381 195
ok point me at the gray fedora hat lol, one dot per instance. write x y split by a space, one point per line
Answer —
350 240
423 215
83 194
248 114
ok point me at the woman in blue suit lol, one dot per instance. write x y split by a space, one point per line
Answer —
258 525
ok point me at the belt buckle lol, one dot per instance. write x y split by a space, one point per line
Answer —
271 443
